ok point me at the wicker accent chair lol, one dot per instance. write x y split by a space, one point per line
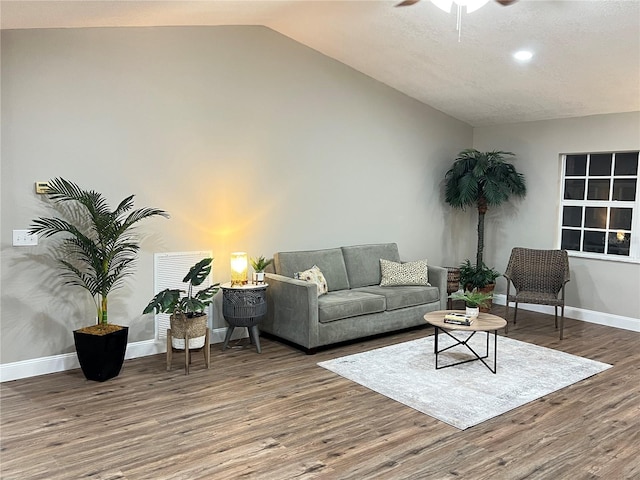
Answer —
539 277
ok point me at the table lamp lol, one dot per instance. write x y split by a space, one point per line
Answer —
239 268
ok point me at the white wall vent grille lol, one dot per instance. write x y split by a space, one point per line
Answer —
169 270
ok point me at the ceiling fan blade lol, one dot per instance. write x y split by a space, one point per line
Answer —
408 3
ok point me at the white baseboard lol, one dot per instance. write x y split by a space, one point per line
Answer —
591 316
69 361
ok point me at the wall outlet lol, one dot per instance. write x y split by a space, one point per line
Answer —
23 238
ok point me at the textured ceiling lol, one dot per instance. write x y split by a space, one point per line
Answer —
586 53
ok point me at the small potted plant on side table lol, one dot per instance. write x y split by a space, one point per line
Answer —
473 300
258 265
188 320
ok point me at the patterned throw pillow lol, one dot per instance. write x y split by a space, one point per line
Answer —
313 275
402 274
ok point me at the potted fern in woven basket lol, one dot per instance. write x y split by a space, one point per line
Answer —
479 278
188 319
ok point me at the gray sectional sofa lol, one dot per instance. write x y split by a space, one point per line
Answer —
355 306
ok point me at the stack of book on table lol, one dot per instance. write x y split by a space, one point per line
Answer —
458 319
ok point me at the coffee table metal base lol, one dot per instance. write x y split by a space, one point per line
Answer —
466 344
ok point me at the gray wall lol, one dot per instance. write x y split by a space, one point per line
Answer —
250 140
598 285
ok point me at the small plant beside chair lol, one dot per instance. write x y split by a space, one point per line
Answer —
477 276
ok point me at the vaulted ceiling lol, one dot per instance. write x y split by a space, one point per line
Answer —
586 54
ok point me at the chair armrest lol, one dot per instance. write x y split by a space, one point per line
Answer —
561 293
438 278
292 310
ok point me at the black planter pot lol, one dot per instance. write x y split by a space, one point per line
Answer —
101 356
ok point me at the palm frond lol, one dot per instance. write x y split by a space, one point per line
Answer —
124 206
140 214
482 179
99 249
51 226
475 174
61 190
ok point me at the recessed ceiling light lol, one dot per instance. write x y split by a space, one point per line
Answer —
523 55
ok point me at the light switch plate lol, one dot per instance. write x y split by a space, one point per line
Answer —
22 238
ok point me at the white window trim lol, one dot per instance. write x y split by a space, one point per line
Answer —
634 247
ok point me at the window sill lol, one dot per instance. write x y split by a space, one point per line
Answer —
606 258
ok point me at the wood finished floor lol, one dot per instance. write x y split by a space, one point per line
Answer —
279 416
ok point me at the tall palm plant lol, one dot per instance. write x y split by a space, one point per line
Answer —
483 180
100 246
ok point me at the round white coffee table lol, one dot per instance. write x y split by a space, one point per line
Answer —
485 322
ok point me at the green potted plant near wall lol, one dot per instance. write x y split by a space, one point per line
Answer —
473 276
258 265
483 180
188 319
474 300
98 251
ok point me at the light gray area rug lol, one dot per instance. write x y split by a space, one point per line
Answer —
467 394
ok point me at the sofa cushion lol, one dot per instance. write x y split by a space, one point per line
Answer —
394 274
401 297
363 262
329 261
313 275
348 303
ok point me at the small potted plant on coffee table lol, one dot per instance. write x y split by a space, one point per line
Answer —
473 300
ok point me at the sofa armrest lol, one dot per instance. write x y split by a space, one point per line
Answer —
292 310
438 278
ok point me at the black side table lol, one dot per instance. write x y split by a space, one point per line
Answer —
244 306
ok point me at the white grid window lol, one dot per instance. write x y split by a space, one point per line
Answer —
599 206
